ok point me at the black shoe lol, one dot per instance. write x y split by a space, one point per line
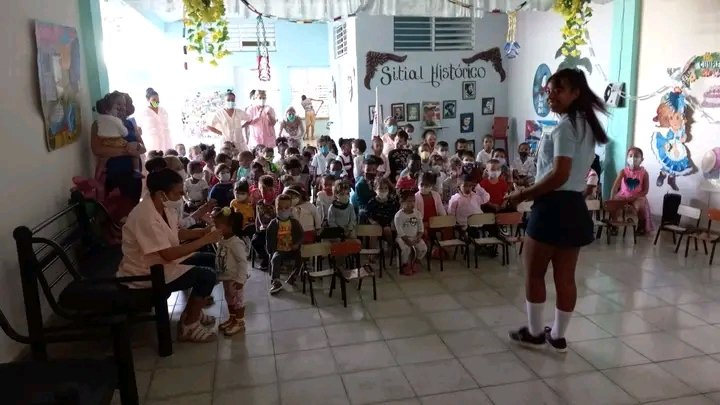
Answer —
523 337
560 344
276 286
263 266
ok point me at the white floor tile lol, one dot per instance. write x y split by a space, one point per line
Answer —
371 386
305 364
497 368
585 388
419 349
659 346
475 397
649 382
473 342
363 356
701 373
438 377
527 392
321 390
608 353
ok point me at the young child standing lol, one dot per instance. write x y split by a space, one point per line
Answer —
283 239
485 153
195 187
409 226
347 159
495 186
320 161
631 185
264 214
428 201
377 149
451 185
358 151
500 155
208 158
231 265
341 213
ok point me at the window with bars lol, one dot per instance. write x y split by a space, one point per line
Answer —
433 33
244 36
341 41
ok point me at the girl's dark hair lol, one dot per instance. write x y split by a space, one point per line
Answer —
150 92
298 189
636 150
360 145
426 132
242 186
208 155
101 106
401 134
155 164
228 215
229 92
501 150
597 166
428 177
163 180
587 102
194 166
407 195
442 144
344 141
292 163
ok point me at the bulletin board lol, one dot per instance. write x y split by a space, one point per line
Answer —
315 83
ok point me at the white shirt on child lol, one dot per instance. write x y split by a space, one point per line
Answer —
323 202
194 191
574 140
231 260
308 216
320 162
110 126
409 225
358 163
483 157
526 168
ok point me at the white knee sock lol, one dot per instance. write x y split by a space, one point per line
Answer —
562 320
535 317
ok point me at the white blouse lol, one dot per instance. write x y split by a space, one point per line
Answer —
231 126
156 129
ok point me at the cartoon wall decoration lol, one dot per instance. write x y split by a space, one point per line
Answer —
668 140
540 97
706 65
711 98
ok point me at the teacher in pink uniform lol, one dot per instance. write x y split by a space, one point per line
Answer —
261 125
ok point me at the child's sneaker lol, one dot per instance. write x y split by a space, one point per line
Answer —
276 286
522 336
560 344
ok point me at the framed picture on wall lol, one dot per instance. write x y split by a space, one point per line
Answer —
431 113
488 105
398 111
449 107
371 113
467 123
469 90
413 111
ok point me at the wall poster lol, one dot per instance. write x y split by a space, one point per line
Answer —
58 60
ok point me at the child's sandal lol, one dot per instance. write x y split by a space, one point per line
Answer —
227 323
206 320
236 327
195 333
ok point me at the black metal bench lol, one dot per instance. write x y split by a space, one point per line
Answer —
69 243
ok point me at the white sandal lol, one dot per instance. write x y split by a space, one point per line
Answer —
236 327
195 333
206 320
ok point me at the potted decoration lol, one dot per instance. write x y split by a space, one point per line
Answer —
206 29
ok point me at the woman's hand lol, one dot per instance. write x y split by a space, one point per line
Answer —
213 236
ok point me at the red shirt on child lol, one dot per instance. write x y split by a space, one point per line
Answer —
429 209
497 191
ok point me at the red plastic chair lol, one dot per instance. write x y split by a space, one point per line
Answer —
500 129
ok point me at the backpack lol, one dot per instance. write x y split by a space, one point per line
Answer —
671 202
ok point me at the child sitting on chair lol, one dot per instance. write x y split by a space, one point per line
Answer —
284 237
632 185
409 226
306 213
467 202
231 265
242 204
495 185
325 197
381 208
341 213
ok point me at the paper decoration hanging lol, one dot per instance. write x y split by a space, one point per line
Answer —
707 65
540 96
263 56
668 140
512 48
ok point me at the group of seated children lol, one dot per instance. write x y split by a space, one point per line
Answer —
321 192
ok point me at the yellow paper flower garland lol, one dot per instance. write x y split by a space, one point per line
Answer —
577 14
206 29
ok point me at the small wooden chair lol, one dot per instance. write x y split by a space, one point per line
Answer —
595 209
627 219
686 211
436 225
350 249
500 129
366 233
513 220
478 221
705 235
315 252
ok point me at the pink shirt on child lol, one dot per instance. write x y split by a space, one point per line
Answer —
463 206
145 233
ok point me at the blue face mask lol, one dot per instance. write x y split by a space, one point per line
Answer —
391 129
324 149
242 172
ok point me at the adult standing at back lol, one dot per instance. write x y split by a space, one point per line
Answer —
559 223
229 122
261 123
155 123
307 105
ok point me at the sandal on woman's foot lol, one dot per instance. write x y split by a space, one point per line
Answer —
195 333
228 323
206 320
236 327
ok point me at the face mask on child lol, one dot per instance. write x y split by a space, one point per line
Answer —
343 199
224 176
291 117
242 172
494 174
501 161
424 155
444 153
229 105
324 149
425 190
242 197
284 215
633 161
391 129
197 176
382 195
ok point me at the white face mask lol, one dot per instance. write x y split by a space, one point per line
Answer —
176 205
633 161
425 190
501 161
343 199
382 195
494 174
224 176
444 153
229 105
198 176
437 168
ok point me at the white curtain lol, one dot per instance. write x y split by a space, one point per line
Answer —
331 9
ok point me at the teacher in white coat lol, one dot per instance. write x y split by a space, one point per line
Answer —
228 123
155 123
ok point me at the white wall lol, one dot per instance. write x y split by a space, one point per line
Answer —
538 33
344 113
36 183
695 31
375 33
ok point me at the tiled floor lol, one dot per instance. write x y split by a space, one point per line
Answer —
647 328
